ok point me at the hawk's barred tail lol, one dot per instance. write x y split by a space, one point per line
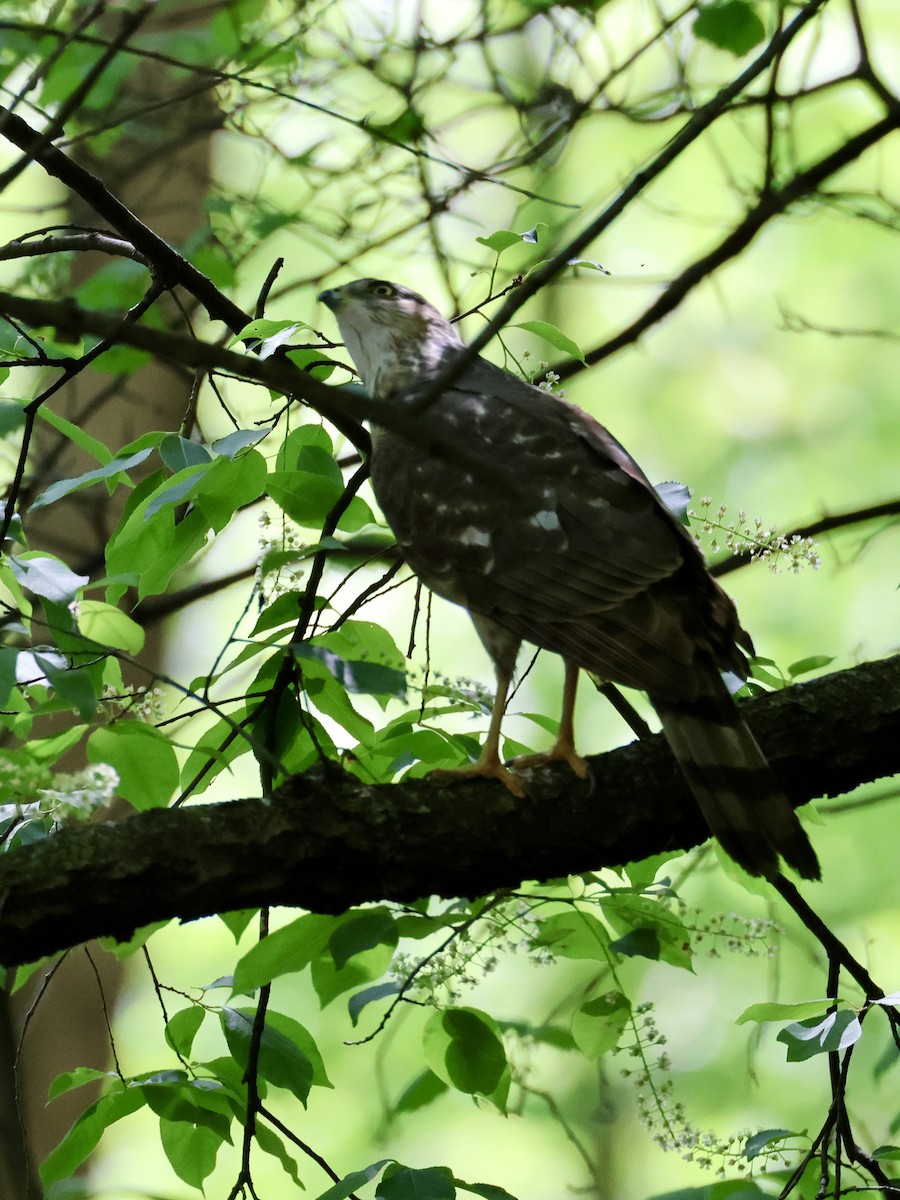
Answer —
734 786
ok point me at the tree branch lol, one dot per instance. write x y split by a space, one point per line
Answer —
326 841
343 410
168 264
771 204
827 524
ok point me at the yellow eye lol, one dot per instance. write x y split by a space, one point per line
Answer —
382 289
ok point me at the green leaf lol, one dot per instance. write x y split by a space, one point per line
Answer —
367 678
815 662
332 700
730 25
489 1191
598 1024
8 659
241 439
769 1011
820 1035
300 1037
182 1027
150 551
109 626
628 914
303 450
236 922
644 872
231 484
84 1136
129 946
176 490
575 934
270 1143
178 453
354 1181
331 981
638 943
263 328
311 361
219 487
268 336
143 758
369 995
90 445
285 950
47 576
306 498
200 1102
590 263
12 414
113 472
362 930
404 1183
766 1137
463 1046
69 1080
280 1061
190 1148
74 685
549 333
425 1088
501 240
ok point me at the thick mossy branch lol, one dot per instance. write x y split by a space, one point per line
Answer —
326 841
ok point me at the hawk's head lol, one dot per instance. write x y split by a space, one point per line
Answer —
394 336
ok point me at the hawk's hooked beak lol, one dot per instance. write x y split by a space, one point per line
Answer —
331 298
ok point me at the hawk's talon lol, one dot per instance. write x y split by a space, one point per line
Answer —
561 752
482 770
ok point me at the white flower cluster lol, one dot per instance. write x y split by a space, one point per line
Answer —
754 937
663 1116
440 977
146 704
549 380
272 581
81 791
53 800
757 542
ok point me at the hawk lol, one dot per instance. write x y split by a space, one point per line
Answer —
519 506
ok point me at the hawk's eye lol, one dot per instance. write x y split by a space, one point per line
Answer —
382 289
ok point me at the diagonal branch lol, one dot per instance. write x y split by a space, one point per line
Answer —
701 120
327 840
771 204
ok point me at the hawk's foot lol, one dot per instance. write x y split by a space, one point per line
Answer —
483 768
562 751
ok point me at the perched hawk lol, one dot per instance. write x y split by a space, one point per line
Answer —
526 511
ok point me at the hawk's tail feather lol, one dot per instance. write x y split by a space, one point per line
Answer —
732 781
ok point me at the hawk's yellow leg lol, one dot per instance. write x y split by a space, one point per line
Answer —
563 749
488 764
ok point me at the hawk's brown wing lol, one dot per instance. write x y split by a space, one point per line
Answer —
560 538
